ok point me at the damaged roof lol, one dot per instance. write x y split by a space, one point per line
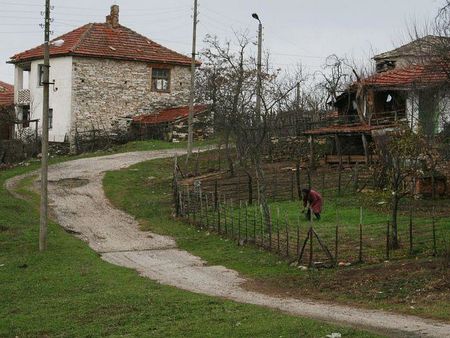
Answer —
169 115
419 47
412 76
6 94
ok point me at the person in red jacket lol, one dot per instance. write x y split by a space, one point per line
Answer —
315 202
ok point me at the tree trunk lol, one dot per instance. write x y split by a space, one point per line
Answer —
297 176
228 154
263 194
395 201
250 188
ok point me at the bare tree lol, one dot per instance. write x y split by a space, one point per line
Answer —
402 156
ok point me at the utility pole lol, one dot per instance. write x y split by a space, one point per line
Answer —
297 97
44 165
192 92
259 65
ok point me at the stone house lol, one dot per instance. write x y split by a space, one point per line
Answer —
101 74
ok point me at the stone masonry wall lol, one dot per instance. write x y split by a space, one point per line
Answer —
107 93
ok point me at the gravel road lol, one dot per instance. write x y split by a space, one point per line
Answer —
80 206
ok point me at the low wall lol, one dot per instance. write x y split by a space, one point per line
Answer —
15 151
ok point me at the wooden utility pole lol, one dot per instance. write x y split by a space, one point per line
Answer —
259 68
44 166
192 92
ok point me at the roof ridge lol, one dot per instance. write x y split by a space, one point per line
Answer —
92 40
82 37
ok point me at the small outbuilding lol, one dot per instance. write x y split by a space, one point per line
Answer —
172 124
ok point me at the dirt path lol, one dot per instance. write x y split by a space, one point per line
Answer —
79 204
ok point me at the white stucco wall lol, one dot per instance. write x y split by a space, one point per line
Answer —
412 110
444 110
60 100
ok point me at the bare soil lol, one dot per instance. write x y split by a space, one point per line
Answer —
83 210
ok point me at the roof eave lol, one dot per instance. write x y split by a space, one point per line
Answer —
186 64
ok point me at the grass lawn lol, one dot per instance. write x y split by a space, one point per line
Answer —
70 291
413 286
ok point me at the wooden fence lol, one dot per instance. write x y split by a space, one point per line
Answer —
230 207
284 181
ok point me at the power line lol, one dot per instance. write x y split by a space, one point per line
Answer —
130 9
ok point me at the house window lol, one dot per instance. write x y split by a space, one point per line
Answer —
40 75
25 117
50 118
160 80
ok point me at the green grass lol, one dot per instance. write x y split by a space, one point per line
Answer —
146 146
145 192
69 291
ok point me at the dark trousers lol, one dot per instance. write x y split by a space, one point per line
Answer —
308 215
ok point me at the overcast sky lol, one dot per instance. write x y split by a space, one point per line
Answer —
295 31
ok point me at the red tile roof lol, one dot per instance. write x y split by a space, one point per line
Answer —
104 41
6 94
414 75
345 129
169 115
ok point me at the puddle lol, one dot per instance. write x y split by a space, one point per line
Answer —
71 182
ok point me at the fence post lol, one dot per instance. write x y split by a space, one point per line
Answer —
246 222
216 196
239 222
232 218
189 205
411 230
297 175
200 198
262 224
310 234
180 197
287 237
360 235
298 236
292 185
194 209
356 177
225 214
434 234
217 203
336 245
388 239
175 188
310 238
254 224
206 210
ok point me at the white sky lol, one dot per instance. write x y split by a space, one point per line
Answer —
295 31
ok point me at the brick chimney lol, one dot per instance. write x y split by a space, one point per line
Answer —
113 18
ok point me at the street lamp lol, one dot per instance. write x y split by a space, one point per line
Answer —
259 65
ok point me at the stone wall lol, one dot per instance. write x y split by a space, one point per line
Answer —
107 93
202 127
